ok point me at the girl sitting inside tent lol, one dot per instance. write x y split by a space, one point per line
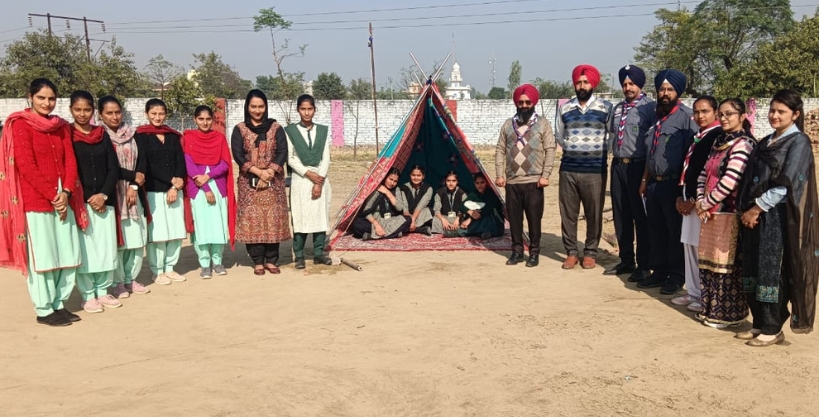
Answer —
380 217
484 211
414 199
448 207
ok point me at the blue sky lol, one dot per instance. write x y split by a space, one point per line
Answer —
549 37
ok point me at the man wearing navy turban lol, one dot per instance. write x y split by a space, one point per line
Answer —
667 142
630 121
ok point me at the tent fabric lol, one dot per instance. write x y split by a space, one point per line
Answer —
428 136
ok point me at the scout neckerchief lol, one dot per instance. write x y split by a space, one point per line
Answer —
697 138
521 142
621 130
658 127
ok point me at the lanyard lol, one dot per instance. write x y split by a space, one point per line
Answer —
658 127
521 138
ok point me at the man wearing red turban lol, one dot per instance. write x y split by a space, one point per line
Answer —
582 132
524 158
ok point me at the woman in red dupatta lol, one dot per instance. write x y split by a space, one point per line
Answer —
209 192
41 204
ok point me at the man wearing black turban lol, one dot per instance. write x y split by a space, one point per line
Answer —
667 142
632 119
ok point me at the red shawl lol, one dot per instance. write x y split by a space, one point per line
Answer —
150 129
209 148
13 253
92 138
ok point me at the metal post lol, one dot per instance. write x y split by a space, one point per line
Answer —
375 101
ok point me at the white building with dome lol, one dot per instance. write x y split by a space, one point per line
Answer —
455 90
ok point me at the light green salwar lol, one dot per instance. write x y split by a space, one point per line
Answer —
165 232
98 244
211 223
131 254
53 257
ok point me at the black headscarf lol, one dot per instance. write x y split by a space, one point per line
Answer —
260 130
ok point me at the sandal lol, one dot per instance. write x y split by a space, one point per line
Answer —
258 271
273 269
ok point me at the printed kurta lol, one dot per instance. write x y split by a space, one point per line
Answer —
262 214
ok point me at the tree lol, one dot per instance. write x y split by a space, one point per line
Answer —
550 89
790 60
274 22
328 86
58 58
182 97
161 72
64 60
515 74
477 95
709 42
441 84
498 93
217 78
360 89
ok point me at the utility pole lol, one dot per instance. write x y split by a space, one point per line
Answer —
84 20
492 73
375 101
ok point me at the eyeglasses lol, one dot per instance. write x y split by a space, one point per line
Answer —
727 114
524 102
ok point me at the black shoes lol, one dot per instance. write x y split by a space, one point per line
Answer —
639 275
620 269
655 280
532 261
365 237
68 315
515 258
322 260
426 230
54 319
671 286
300 263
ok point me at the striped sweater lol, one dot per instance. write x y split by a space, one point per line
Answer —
582 132
727 162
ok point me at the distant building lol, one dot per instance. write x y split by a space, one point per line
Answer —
456 91
308 87
414 89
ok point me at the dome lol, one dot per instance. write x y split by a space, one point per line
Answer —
456 67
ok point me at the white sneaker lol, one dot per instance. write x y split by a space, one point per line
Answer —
683 300
173 276
695 307
161 279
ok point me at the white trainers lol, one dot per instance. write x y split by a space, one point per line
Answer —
173 276
695 307
683 300
92 306
108 300
161 279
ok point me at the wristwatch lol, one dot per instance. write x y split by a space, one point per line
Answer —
67 192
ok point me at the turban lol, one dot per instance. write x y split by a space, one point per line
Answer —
591 73
633 73
529 90
673 77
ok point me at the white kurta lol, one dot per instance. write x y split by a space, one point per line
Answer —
309 216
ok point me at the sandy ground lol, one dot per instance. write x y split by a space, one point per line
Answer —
415 334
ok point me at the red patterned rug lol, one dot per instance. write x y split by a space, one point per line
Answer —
419 242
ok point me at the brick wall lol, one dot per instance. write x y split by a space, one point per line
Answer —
479 119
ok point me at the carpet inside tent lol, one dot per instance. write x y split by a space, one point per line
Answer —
415 242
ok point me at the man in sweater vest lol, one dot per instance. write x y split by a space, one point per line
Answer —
630 121
524 158
667 142
582 131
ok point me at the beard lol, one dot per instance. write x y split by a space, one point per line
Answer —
664 106
525 114
583 95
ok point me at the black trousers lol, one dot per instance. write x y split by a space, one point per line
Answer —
262 253
629 213
665 224
524 199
